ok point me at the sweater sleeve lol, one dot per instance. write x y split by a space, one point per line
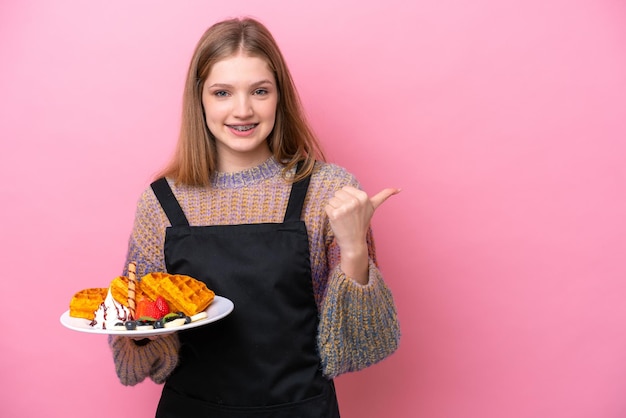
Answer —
147 239
133 363
358 323
158 358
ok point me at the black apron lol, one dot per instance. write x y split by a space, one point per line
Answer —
262 359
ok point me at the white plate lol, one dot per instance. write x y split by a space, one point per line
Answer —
218 309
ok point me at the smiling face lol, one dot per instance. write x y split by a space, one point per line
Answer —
239 97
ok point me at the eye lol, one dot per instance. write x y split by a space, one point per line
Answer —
220 93
260 92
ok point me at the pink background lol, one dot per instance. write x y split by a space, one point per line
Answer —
503 121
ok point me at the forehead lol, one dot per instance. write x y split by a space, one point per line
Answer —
240 68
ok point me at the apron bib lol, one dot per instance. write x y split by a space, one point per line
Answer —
261 360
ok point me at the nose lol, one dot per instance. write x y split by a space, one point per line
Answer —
243 106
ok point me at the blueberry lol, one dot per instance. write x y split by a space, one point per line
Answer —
130 325
158 324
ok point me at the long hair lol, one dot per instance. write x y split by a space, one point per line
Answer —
292 140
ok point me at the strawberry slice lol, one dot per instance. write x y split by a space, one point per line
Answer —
147 308
162 306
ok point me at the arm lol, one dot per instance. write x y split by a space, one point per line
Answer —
158 358
358 322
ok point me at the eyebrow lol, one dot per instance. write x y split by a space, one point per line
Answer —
253 85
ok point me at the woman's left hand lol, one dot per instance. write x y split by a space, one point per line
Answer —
350 211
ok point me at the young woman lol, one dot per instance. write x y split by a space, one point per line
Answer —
248 206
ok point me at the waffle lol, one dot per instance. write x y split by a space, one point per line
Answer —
149 285
86 302
119 290
183 293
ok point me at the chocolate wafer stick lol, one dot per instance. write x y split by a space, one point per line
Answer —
132 283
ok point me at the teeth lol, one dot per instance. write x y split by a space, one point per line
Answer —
243 128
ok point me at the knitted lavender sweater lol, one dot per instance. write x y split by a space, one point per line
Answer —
358 323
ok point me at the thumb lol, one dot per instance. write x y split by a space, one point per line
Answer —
383 195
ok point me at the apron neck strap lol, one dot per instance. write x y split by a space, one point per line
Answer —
170 205
297 196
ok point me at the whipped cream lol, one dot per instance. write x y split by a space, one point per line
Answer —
109 313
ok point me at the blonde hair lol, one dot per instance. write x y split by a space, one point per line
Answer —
292 140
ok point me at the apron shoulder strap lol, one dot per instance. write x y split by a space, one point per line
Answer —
296 198
170 205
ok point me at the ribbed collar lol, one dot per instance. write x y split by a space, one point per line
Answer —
248 177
